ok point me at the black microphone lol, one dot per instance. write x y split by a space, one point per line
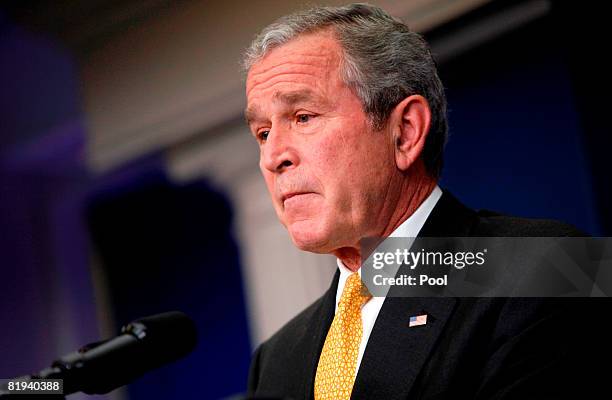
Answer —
143 345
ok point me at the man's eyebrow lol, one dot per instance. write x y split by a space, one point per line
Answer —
298 96
288 98
251 114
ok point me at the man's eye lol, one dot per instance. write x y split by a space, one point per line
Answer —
263 135
303 118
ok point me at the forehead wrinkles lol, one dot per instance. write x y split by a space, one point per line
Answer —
321 60
291 72
292 77
274 61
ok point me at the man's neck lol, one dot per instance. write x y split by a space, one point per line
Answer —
411 197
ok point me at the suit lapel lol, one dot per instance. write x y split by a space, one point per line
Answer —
396 352
317 334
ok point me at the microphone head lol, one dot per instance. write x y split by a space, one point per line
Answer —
171 334
145 344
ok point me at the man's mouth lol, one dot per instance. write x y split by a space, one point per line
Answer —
289 195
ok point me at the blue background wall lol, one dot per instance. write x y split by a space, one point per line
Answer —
517 143
45 281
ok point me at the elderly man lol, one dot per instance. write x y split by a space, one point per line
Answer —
350 117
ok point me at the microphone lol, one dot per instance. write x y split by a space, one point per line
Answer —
144 344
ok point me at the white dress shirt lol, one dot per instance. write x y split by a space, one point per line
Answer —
409 228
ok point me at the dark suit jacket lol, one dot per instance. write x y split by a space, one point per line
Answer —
470 348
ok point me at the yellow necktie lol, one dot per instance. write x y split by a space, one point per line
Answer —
338 362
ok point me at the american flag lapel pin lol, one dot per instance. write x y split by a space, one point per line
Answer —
417 320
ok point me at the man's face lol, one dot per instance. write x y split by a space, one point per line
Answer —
327 171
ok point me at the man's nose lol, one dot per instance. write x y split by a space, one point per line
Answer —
278 153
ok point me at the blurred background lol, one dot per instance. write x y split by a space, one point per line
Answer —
129 183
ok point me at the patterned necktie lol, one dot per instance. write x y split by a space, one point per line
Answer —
338 362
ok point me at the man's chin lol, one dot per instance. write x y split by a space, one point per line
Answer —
306 238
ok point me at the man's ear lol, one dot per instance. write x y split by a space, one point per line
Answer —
410 121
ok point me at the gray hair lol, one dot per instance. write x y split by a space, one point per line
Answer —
383 63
